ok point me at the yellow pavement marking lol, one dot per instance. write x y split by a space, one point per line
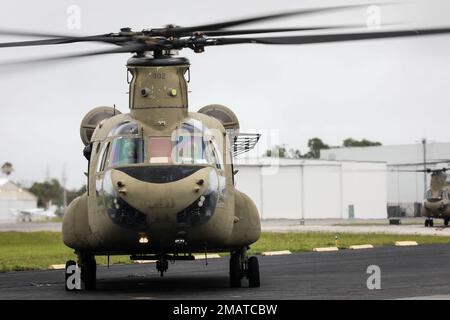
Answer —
405 243
326 249
361 246
276 253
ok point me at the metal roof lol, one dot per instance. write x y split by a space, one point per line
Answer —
11 191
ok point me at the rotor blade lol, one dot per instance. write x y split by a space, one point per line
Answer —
422 170
23 33
273 30
100 38
325 38
132 47
232 23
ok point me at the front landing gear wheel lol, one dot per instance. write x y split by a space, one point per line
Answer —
253 272
431 223
446 222
427 222
235 270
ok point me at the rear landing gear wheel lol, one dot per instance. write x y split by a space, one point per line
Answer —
253 272
446 222
431 223
427 222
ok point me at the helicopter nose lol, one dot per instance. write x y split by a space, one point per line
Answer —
166 202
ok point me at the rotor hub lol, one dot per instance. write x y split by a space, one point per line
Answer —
156 61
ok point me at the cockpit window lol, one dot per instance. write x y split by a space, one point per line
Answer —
125 150
160 150
124 128
217 160
190 145
102 161
430 194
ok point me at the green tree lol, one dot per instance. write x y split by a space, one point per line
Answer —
315 145
47 191
350 142
7 168
72 194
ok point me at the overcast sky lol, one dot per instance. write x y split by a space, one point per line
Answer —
393 91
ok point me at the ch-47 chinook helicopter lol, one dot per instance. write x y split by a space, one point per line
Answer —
437 203
161 178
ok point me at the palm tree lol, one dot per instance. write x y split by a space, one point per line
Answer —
7 168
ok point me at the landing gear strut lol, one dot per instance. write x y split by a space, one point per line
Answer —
88 270
162 265
242 266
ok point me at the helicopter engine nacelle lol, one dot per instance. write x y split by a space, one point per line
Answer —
92 119
224 114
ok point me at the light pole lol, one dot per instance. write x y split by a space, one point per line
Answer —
424 147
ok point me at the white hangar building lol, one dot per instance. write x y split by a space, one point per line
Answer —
13 197
314 189
404 189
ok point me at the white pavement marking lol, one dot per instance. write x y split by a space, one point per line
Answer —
361 246
434 297
405 243
276 253
326 249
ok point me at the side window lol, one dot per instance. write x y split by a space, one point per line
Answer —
216 159
102 161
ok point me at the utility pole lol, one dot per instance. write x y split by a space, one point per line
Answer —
424 147
47 173
64 180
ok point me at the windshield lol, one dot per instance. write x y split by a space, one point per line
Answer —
435 194
192 145
126 150
124 128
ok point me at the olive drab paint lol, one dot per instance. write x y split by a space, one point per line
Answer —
437 203
124 204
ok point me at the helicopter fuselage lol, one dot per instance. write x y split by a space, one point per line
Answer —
437 202
160 178
155 202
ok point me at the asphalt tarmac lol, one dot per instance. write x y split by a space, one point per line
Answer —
406 272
